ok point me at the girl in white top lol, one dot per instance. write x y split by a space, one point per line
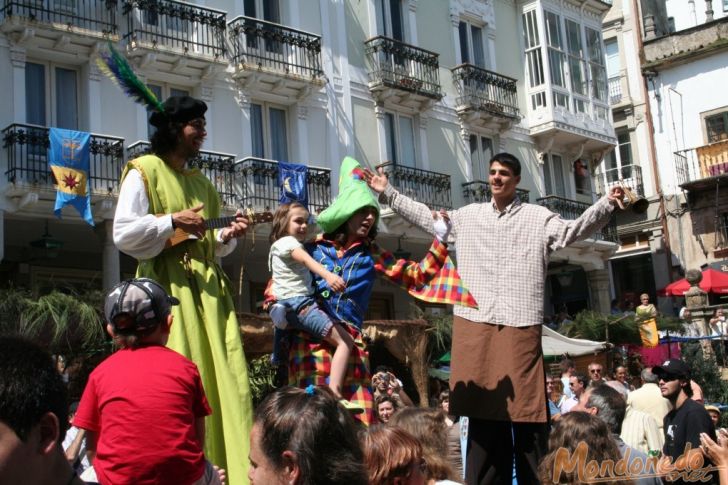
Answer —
292 286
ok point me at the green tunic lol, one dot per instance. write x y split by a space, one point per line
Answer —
205 327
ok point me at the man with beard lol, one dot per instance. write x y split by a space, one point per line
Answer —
160 194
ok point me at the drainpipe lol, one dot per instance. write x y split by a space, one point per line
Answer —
653 153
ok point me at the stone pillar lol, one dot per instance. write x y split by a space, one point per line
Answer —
111 265
381 133
599 285
696 301
709 10
17 59
302 134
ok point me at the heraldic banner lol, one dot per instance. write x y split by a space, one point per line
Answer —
292 179
69 161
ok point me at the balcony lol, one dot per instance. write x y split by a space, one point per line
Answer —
696 164
26 151
484 97
50 24
257 182
402 74
479 191
176 37
431 188
217 167
273 59
571 209
629 175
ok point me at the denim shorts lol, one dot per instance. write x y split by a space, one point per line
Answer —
310 317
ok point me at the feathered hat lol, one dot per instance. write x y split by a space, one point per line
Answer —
175 108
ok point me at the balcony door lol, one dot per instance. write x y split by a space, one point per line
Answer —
390 20
618 163
553 176
51 95
400 139
270 11
472 44
481 151
269 132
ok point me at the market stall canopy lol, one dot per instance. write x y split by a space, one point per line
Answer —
555 344
713 281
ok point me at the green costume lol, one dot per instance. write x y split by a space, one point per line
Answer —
205 327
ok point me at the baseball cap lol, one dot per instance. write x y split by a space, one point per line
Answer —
142 300
672 367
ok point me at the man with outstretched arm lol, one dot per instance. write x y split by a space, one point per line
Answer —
497 374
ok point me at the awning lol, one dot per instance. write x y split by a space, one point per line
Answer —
713 282
555 344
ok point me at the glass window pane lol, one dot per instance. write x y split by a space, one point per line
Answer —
556 66
407 141
35 94
716 128
625 148
548 185
558 168
613 66
395 9
249 8
594 45
66 99
553 29
278 135
463 35
271 11
478 53
178 92
573 38
256 130
157 90
390 137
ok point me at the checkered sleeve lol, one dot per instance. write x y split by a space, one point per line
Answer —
560 233
409 274
415 212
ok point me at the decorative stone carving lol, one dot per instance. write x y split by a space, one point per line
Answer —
17 57
476 9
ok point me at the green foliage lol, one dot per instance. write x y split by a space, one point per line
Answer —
705 372
67 324
261 374
592 325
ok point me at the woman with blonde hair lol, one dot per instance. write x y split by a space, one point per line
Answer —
393 457
429 429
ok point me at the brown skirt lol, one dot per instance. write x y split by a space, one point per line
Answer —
497 372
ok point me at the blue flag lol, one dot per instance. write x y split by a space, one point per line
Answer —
292 179
68 159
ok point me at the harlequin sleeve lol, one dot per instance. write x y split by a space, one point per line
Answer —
434 279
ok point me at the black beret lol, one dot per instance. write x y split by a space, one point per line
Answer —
180 109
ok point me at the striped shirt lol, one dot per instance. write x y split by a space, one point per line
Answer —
503 256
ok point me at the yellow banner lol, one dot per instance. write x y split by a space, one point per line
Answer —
70 180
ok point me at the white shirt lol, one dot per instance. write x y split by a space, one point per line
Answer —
290 278
143 235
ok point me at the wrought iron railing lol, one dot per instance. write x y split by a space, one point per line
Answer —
615 89
26 149
485 90
628 175
701 162
571 209
402 66
479 191
217 167
176 26
264 45
431 188
258 186
93 16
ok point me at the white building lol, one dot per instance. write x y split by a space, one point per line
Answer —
429 88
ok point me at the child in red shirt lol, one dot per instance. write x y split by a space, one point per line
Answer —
144 407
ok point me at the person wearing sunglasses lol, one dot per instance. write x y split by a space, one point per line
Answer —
688 418
596 375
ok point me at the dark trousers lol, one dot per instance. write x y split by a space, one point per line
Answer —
491 446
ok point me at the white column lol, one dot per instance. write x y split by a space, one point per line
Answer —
381 133
490 35
599 285
455 21
111 266
141 115
302 133
207 94
17 59
93 99
424 151
244 102
465 143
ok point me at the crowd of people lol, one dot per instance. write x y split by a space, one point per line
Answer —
172 404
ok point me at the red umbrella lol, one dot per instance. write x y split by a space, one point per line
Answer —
713 281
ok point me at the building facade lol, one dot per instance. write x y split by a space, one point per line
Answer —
427 89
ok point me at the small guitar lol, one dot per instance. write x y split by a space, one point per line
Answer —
254 218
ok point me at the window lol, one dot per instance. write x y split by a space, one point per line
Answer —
582 178
400 139
597 70
390 21
268 10
472 49
269 132
618 163
481 151
725 6
553 175
577 67
716 127
534 60
162 92
51 95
